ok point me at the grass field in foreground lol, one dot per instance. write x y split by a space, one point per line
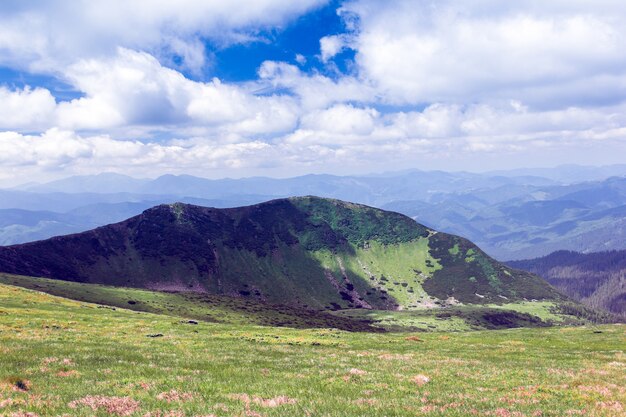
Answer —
61 357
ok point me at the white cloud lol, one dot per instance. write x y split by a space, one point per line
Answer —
134 89
333 45
56 150
26 108
300 59
52 149
342 119
342 138
315 91
48 35
433 82
443 131
445 51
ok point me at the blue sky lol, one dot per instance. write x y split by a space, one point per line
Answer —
233 63
299 36
281 88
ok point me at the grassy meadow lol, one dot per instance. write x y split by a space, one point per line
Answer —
60 357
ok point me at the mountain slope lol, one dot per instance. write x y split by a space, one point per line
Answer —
193 306
596 279
307 252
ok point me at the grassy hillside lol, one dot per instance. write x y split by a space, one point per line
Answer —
190 305
62 357
307 252
242 311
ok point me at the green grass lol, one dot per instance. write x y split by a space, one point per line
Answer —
205 307
422 321
359 224
246 311
545 310
65 354
464 318
397 269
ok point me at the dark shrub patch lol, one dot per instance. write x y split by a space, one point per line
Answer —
345 296
19 383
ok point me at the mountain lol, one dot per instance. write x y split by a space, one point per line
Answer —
63 202
570 173
306 252
20 226
106 182
518 222
596 279
374 190
510 217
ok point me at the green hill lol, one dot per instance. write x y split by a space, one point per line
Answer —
307 252
194 306
245 311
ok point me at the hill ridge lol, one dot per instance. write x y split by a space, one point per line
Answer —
306 251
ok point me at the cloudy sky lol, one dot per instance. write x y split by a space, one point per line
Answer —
280 88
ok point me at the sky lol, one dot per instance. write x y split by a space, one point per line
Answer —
282 88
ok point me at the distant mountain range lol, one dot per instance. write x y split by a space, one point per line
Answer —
510 214
306 252
596 279
515 222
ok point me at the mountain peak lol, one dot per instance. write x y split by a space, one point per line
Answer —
305 251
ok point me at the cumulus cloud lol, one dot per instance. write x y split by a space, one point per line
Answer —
445 51
332 45
315 91
443 130
58 149
433 82
51 149
342 138
134 89
48 35
25 108
344 119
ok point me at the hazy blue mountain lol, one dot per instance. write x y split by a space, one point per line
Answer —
584 217
105 183
18 226
10 217
512 215
63 202
568 173
422 185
